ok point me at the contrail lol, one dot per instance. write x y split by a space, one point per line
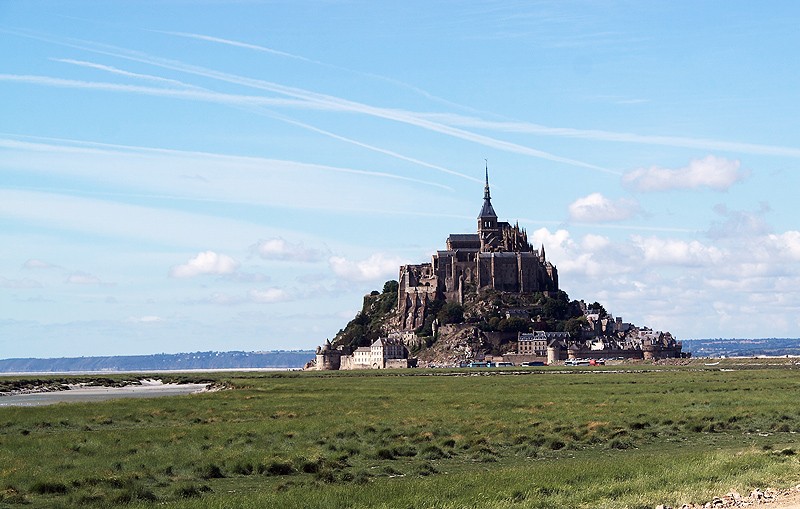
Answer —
106 148
264 49
594 134
122 72
238 44
335 103
228 99
194 94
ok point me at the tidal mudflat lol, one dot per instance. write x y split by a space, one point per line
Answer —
80 393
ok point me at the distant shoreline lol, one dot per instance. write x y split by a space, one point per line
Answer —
189 362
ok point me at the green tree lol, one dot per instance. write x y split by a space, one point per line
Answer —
575 327
555 308
598 308
390 286
451 312
514 324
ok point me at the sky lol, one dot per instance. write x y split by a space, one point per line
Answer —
184 176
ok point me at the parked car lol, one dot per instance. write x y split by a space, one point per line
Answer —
576 362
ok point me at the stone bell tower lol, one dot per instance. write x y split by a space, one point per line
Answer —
488 229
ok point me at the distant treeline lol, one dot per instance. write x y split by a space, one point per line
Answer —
194 360
742 347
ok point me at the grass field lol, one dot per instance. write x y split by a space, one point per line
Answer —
582 437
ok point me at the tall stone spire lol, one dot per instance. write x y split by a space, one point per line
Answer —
487 210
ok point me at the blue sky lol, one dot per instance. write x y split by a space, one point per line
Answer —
181 176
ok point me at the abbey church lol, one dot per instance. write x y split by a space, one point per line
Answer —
492 273
497 257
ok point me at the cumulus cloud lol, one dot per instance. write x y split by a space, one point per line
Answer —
558 243
269 295
376 267
207 262
277 248
691 287
591 256
786 244
593 242
663 251
596 208
711 172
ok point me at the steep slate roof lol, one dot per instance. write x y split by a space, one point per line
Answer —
464 241
464 237
487 210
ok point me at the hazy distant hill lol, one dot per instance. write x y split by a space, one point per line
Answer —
742 347
194 360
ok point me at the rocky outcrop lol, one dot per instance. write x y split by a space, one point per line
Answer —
788 498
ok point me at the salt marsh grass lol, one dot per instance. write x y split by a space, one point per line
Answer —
329 440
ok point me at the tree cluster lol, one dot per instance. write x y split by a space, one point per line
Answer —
366 326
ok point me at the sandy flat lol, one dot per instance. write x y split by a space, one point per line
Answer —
148 389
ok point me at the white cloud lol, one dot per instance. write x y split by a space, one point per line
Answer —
146 319
246 277
786 244
556 244
596 208
277 248
222 299
662 251
207 262
218 299
693 288
740 224
711 172
33 264
269 295
592 242
19 284
83 278
376 267
591 256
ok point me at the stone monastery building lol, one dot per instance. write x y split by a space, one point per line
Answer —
498 256
388 352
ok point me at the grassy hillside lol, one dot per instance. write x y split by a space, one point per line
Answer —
571 438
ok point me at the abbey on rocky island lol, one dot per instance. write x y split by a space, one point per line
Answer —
497 257
491 273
